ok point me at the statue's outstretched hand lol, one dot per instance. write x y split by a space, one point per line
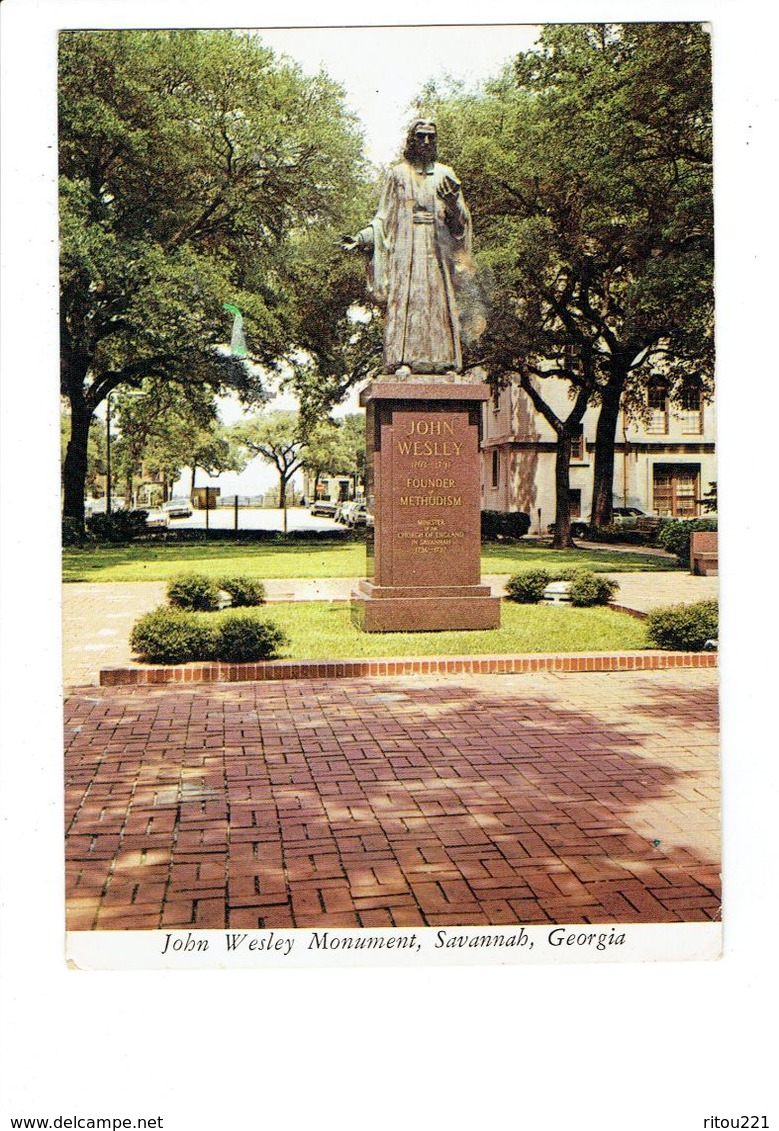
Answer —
348 243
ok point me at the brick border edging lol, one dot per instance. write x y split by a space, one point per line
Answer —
431 665
637 613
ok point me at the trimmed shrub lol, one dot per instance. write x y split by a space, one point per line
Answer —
193 591
675 536
588 588
245 591
500 525
72 534
244 638
119 526
528 588
628 535
683 628
174 636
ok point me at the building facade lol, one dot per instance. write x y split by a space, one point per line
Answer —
664 461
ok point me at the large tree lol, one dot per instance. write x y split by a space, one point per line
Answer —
588 170
166 431
336 447
278 438
190 163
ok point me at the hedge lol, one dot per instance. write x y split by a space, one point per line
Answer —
244 591
174 636
244 638
180 636
586 587
675 536
194 591
684 628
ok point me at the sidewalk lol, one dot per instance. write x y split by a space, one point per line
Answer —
98 616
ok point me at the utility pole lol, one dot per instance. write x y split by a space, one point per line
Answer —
108 454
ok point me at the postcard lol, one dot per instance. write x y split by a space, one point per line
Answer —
389 495
387 642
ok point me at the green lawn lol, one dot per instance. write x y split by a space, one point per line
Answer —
160 561
496 558
322 631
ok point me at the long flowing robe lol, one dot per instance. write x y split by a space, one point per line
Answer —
419 245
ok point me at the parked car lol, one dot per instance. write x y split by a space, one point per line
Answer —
343 510
628 516
323 507
177 508
579 528
98 506
156 518
358 514
631 518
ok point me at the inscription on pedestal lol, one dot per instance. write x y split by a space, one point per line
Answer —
427 487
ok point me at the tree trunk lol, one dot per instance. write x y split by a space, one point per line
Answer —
562 536
605 439
74 471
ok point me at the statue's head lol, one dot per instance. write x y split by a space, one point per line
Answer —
421 141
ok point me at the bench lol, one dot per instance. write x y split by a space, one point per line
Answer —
703 553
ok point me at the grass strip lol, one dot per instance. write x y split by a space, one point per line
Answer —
160 561
323 631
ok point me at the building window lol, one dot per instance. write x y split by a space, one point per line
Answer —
676 489
577 445
575 502
496 400
495 467
657 403
692 407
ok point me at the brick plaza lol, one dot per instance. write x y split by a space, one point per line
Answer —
401 801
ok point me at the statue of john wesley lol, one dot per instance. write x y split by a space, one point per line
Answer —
419 244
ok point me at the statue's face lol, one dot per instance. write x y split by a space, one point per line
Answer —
424 141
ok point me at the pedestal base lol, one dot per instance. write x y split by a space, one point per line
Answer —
421 608
423 485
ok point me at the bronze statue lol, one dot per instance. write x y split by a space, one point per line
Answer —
419 244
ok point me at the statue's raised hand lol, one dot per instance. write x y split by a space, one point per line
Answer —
448 189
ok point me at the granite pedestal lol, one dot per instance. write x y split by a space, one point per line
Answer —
423 481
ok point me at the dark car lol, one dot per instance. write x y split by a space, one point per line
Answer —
631 518
627 516
579 528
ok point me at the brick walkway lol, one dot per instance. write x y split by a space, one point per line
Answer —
466 799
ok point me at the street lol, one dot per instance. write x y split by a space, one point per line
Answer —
254 518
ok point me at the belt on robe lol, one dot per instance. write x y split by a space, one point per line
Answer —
423 217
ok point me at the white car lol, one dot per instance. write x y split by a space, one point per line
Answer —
177 508
156 518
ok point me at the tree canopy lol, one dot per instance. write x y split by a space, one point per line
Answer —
588 171
196 169
336 447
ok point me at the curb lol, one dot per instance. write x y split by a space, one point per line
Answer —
144 675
